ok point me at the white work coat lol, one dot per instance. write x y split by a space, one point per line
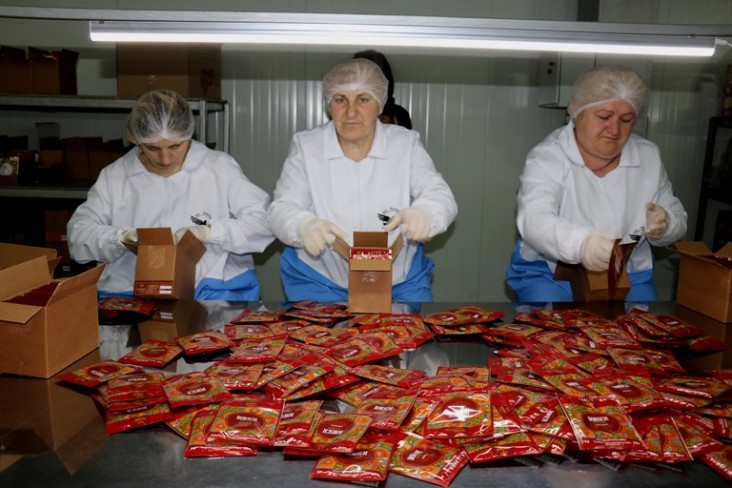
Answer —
317 180
561 201
210 186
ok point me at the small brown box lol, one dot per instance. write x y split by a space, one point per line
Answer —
102 154
193 70
76 157
370 263
54 73
16 75
705 280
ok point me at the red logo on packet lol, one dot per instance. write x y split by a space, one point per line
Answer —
334 428
361 456
154 352
245 421
601 423
421 456
348 352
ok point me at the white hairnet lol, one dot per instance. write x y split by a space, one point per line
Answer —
356 74
160 115
607 84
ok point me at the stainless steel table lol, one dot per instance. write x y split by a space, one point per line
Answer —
53 435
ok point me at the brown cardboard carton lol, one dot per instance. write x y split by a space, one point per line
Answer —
193 70
705 279
369 270
16 75
174 318
54 72
41 340
103 153
76 157
596 286
165 269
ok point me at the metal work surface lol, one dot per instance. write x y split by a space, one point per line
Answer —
52 434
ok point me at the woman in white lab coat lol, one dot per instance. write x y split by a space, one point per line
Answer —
169 180
588 184
356 174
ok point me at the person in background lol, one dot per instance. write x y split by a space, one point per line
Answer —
356 174
169 180
391 113
588 184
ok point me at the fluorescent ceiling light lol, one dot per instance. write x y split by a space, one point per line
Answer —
419 32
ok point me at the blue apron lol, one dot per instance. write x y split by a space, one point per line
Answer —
301 282
533 282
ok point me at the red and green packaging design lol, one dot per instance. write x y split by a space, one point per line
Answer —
296 422
460 415
381 342
246 423
630 395
181 421
510 446
610 336
236 377
240 332
662 439
476 375
198 444
136 386
389 409
464 315
363 349
338 432
523 377
421 409
152 353
503 415
673 326
298 378
96 374
257 317
706 387
603 427
115 421
257 350
204 342
407 337
425 460
336 378
441 384
277 368
706 344
368 463
536 318
314 317
323 309
318 335
356 393
404 378
636 361
720 461
194 389
459 330
696 441
287 327
515 332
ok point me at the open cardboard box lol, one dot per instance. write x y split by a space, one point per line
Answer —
369 270
165 269
173 318
705 279
595 286
41 339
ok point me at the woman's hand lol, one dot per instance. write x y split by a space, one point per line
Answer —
319 233
595 252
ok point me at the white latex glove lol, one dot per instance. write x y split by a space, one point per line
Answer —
202 233
319 233
595 252
656 221
130 235
414 222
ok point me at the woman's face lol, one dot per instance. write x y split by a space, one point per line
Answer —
354 113
165 157
602 130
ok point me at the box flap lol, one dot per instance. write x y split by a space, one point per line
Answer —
191 247
17 313
155 236
397 246
69 286
692 248
341 247
24 277
370 239
12 254
726 251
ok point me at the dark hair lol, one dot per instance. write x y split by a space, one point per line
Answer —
381 61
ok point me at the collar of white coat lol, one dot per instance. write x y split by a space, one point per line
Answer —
628 157
332 149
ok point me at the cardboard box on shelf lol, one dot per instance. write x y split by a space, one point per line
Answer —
599 286
54 72
369 270
165 269
42 338
102 154
76 157
16 75
193 70
705 279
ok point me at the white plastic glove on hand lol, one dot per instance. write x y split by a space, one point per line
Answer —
595 252
130 235
414 222
317 234
202 233
656 221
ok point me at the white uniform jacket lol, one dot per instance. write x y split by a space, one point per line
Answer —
211 186
561 201
317 180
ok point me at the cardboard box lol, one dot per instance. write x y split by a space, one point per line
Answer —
165 269
54 73
713 328
595 286
16 75
705 280
174 318
76 157
370 263
40 340
193 70
102 154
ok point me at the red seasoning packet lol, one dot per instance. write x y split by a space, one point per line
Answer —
194 389
152 353
96 374
368 463
468 314
236 376
248 423
115 421
605 427
388 410
426 460
720 461
238 332
204 342
338 432
198 444
256 317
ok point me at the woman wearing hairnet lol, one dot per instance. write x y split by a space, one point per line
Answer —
170 180
356 174
589 183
